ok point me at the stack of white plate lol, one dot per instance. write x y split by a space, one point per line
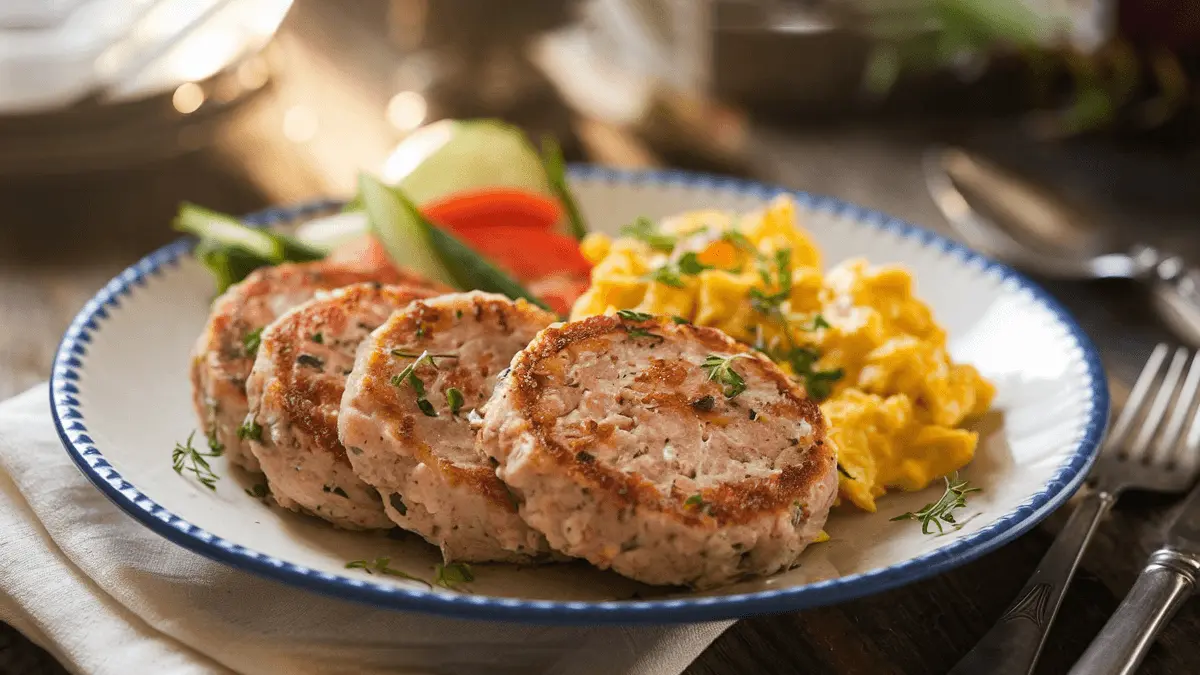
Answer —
91 83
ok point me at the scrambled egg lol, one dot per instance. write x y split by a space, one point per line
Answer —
855 337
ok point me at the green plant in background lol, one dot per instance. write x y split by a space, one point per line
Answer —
1133 74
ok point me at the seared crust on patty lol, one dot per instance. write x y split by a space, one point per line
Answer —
224 352
623 451
295 392
422 457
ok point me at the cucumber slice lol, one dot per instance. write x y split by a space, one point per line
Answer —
452 156
225 230
401 230
469 269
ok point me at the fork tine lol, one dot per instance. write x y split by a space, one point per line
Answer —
1168 447
1158 409
1133 404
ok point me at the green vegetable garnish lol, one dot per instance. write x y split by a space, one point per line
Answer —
187 458
412 241
720 370
645 230
454 399
231 250
672 273
630 315
408 376
251 342
453 574
935 513
556 173
380 565
250 430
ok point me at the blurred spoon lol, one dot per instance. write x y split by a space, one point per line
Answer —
1029 228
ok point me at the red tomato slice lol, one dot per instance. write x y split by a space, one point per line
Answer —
526 252
495 206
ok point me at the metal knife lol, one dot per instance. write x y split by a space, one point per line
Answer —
1168 581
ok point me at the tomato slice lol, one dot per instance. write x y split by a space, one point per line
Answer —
526 252
494 207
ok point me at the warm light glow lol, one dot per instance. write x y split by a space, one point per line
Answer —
406 111
416 148
300 123
188 98
253 73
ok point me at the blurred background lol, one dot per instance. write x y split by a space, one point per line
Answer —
114 111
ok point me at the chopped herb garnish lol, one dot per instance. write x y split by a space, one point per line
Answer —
819 383
250 430
318 338
680 320
720 370
935 513
397 503
251 342
704 404
643 333
421 331
646 230
630 315
585 457
413 355
458 313
310 361
844 472
408 376
448 576
672 273
380 565
187 458
817 322
258 491
213 444
739 241
695 501
454 399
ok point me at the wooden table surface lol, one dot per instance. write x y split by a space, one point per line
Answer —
61 238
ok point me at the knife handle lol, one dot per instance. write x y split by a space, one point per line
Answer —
1160 590
1012 646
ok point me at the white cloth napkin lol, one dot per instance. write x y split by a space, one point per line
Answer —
105 595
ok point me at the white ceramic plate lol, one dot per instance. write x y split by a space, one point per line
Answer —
121 398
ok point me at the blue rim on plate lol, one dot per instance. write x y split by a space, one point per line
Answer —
72 429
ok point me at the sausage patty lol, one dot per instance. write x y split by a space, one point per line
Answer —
224 353
295 390
405 421
626 449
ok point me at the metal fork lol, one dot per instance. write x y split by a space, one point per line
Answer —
1145 460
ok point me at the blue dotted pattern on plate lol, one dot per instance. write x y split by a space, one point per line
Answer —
72 428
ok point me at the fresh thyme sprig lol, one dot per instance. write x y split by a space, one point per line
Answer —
935 513
409 376
646 230
251 341
720 370
631 315
187 458
449 576
380 566
672 273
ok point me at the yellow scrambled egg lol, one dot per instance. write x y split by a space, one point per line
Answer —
856 337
